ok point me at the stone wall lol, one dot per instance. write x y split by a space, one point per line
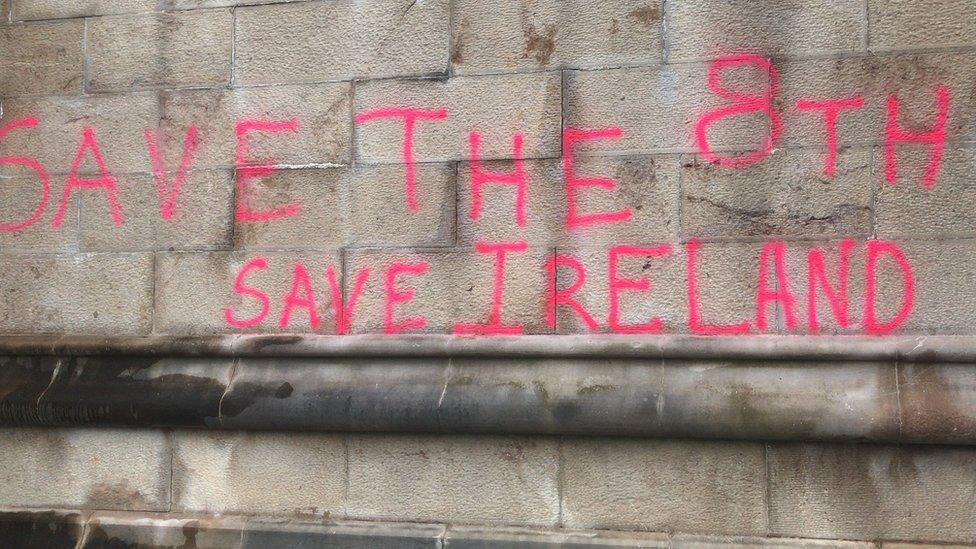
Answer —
194 168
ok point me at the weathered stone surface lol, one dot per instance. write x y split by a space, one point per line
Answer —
108 529
320 110
855 401
85 468
912 78
42 58
202 218
378 213
897 545
523 35
705 29
193 290
908 209
456 288
473 103
257 473
82 294
686 541
276 44
181 49
664 485
346 535
786 195
945 287
665 298
871 492
647 186
59 9
468 537
657 108
319 224
937 402
200 4
118 123
49 529
360 206
20 197
454 479
903 24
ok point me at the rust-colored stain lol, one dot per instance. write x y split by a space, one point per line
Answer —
540 45
647 16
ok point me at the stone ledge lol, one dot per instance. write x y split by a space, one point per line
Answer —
762 399
934 348
96 530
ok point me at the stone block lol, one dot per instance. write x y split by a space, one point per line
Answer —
871 492
473 103
657 108
518 35
495 480
83 294
178 49
259 473
282 43
664 485
202 218
708 28
118 123
43 58
321 112
193 289
116 469
904 24
787 195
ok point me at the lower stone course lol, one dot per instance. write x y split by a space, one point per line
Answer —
54 529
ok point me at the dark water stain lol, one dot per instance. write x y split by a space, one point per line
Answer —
47 529
259 343
245 394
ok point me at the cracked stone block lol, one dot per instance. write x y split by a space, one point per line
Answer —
787 195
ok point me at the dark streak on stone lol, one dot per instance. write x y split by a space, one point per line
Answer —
259 343
245 394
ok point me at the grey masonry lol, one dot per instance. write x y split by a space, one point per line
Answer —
300 204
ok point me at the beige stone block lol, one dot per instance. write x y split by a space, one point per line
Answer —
180 49
121 469
474 480
259 473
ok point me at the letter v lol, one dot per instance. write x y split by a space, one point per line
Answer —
170 194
